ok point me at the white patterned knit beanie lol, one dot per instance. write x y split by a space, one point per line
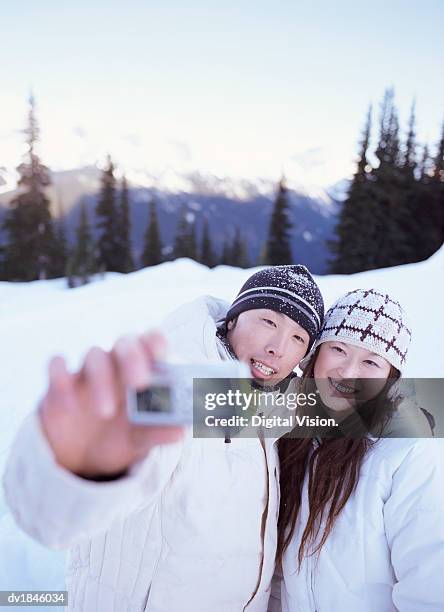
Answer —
369 319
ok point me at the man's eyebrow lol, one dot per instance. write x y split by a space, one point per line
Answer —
281 315
278 314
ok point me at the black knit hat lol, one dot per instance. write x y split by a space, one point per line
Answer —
290 290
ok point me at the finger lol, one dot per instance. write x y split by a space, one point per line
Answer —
98 372
132 362
155 345
61 393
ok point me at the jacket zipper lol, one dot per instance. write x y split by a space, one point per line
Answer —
310 563
316 443
312 588
264 519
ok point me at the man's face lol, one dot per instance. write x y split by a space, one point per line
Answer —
271 343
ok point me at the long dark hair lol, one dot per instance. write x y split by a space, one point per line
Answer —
333 469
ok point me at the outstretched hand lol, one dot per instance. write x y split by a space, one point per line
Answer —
83 414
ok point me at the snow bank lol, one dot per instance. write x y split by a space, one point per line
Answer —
43 318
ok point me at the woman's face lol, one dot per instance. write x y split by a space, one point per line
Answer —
348 376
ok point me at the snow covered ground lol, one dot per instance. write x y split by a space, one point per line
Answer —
42 318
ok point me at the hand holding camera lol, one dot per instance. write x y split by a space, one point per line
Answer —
83 414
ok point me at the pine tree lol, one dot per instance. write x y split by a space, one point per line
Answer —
30 239
60 254
225 257
185 244
236 248
262 257
391 215
413 198
352 249
181 248
81 264
2 258
152 251
278 243
126 263
388 150
208 257
394 213
244 258
2 263
238 256
436 208
424 165
438 170
423 225
109 246
193 251
409 161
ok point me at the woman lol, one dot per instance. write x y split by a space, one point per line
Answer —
361 525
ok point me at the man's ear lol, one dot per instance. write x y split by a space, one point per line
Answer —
231 324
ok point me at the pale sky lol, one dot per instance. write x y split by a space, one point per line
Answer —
240 88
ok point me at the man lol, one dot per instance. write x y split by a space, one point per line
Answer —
158 521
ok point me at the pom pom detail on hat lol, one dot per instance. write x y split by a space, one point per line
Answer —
290 290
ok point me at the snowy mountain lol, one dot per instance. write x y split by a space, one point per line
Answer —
228 202
43 318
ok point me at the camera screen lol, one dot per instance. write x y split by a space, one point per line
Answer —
155 399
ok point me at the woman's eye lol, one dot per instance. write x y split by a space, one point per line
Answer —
300 339
372 363
338 349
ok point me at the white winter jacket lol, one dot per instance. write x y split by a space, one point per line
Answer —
192 528
386 551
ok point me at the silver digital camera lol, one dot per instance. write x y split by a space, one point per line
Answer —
171 396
